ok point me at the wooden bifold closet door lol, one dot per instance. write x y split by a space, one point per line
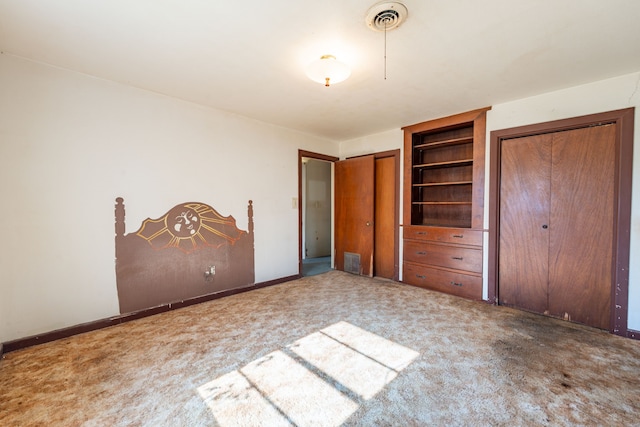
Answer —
556 223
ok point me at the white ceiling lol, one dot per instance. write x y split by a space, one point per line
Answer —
248 57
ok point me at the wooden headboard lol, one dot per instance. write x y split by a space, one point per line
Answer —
188 252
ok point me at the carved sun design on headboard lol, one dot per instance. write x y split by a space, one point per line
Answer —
189 226
185 224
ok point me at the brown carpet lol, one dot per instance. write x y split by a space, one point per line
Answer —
328 350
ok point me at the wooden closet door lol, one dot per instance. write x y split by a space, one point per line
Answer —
385 224
524 219
581 225
354 211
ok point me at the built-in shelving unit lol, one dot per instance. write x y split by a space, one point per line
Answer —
443 204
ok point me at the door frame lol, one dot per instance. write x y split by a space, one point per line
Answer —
624 121
317 156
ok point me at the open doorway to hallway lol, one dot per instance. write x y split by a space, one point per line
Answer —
315 212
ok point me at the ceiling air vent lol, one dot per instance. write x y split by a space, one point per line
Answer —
386 16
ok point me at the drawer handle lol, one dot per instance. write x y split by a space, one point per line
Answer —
459 258
420 276
458 236
421 253
423 233
456 284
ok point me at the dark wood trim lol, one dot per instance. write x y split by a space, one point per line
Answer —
444 122
311 155
317 156
633 334
494 220
116 320
479 155
396 222
379 155
624 121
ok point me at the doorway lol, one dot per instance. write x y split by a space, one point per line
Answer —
315 195
560 214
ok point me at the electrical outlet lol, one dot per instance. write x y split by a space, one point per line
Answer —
209 273
294 203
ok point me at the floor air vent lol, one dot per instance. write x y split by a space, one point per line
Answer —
352 263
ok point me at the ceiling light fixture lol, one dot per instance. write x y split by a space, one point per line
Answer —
328 70
386 16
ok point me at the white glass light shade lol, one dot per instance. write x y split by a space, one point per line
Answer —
328 70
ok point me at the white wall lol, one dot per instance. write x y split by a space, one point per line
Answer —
376 143
70 144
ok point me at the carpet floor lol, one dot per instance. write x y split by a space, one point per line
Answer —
328 350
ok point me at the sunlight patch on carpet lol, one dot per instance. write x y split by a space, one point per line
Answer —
235 402
278 390
361 361
384 351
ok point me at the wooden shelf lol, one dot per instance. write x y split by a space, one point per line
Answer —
435 184
452 141
441 203
461 162
444 171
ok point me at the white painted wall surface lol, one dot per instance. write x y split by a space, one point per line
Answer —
70 144
376 143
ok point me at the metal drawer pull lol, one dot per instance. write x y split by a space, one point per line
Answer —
459 236
420 276
456 284
422 233
421 253
459 258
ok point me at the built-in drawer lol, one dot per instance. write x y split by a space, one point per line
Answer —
463 285
460 236
459 258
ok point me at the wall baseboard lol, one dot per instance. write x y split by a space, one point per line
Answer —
633 334
21 343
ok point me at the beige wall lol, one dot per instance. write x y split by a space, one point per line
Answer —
70 144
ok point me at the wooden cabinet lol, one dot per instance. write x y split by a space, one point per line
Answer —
444 203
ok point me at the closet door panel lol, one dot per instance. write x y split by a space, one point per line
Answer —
581 225
354 213
524 218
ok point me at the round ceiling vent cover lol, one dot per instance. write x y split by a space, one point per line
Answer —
386 16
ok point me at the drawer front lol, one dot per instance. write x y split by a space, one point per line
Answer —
460 258
459 236
459 284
